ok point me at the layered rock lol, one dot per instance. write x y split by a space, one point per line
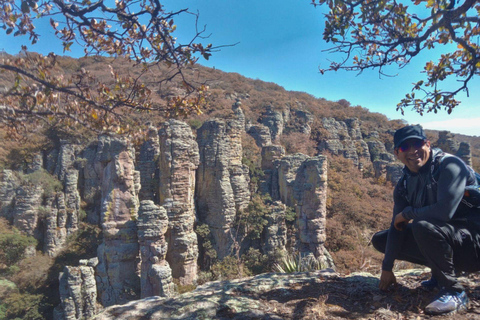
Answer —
345 138
275 232
311 198
178 160
68 174
56 232
261 135
274 121
147 165
28 201
156 275
287 169
117 279
92 191
8 187
78 292
222 179
269 183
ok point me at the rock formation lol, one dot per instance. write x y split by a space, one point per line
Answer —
222 179
117 279
345 138
311 200
177 163
147 165
156 275
78 292
8 187
274 121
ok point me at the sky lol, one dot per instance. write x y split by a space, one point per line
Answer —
281 41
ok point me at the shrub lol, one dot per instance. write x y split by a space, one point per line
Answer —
24 306
49 183
255 262
13 244
227 269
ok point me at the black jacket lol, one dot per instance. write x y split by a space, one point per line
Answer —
434 192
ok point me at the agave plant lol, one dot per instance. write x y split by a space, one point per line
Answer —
296 262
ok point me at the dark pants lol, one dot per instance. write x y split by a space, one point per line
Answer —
444 247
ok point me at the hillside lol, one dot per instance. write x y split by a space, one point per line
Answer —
263 175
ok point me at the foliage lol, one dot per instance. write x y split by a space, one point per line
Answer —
251 221
357 207
24 306
297 262
141 33
227 269
255 262
13 244
208 251
48 182
376 34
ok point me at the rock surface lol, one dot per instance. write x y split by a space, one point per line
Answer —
300 296
178 161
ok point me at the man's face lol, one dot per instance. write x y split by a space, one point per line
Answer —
414 153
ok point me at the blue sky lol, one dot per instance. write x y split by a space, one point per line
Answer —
281 41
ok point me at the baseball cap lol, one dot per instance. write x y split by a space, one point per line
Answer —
408 132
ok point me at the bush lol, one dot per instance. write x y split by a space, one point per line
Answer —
49 183
24 306
13 244
227 269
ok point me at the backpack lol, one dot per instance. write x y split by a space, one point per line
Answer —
471 197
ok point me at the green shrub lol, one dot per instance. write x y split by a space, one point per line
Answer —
13 245
227 269
24 306
48 182
255 262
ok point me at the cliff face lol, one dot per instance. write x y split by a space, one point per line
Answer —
149 200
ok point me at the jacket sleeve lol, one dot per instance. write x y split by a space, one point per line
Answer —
450 189
395 237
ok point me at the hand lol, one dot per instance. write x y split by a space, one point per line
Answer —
399 222
387 278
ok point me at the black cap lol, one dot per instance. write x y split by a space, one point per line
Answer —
408 132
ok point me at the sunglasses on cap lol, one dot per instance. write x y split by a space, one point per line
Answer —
416 143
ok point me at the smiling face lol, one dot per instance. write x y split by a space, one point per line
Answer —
413 154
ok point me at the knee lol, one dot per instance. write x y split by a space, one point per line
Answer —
379 240
423 229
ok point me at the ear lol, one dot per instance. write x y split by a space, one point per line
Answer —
396 152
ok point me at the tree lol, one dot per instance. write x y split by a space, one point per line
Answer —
140 31
373 34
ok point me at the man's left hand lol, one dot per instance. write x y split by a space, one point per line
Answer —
400 222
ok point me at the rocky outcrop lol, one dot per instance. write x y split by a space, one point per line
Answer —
287 169
147 165
311 200
8 186
274 121
91 191
68 174
261 135
222 179
156 275
117 278
78 292
28 200
177 163
275 232
446 141
345 138
269 184
56 219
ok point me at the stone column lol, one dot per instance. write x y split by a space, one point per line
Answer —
177 163
156 275
117 280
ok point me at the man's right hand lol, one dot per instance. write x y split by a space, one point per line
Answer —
387 278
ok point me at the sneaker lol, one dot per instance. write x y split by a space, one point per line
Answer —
429 284
448 301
